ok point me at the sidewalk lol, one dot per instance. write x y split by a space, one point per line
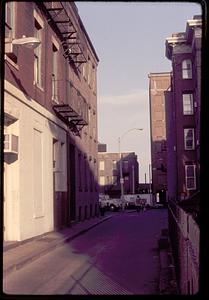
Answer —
167 283
17 254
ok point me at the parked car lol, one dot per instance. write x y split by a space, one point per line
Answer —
109 203
159 205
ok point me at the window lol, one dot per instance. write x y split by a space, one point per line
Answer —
94 79
102 180
114 163
55 155
38 55
88 70
54 73
188 104
190 177
101 165
114 180
84 70
187 69
189 139
163 146
126 178
9 19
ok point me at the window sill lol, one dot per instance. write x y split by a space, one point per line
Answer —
55 101
11 62
38 86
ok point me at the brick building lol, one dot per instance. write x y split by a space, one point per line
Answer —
159 83
183 108
50 127
109 173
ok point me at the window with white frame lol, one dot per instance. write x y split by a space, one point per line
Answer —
89 71
102 180
84 70
188 107
190 177
54 73
38 32
189 139
114 164
9 19
94 79
101 165
55 155
187 69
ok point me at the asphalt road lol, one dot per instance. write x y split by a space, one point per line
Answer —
117 257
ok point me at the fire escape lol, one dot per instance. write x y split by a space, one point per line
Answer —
59 16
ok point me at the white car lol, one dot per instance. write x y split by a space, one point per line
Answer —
110 204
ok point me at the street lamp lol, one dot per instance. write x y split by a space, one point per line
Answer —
121 172
27 42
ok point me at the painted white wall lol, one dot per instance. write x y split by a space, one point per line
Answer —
22 222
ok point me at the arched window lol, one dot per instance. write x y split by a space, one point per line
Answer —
187 69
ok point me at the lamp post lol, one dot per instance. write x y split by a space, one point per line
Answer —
121 172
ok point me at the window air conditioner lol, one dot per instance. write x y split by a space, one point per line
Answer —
10 143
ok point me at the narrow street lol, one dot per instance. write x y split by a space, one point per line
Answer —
119 256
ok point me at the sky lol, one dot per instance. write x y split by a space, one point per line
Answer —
129 39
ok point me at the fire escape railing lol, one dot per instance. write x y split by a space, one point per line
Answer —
60 18
71 107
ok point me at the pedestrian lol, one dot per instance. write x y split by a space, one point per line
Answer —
138 206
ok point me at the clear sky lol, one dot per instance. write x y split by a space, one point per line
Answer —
129 39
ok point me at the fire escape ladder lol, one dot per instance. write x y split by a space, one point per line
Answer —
73 110
72 40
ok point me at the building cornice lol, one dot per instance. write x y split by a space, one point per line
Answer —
182 38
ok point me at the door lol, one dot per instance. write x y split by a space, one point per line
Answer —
72 183
5 202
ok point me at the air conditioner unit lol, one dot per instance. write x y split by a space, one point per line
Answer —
10 143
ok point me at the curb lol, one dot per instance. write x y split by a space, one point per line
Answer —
67 239
167 282
51 246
